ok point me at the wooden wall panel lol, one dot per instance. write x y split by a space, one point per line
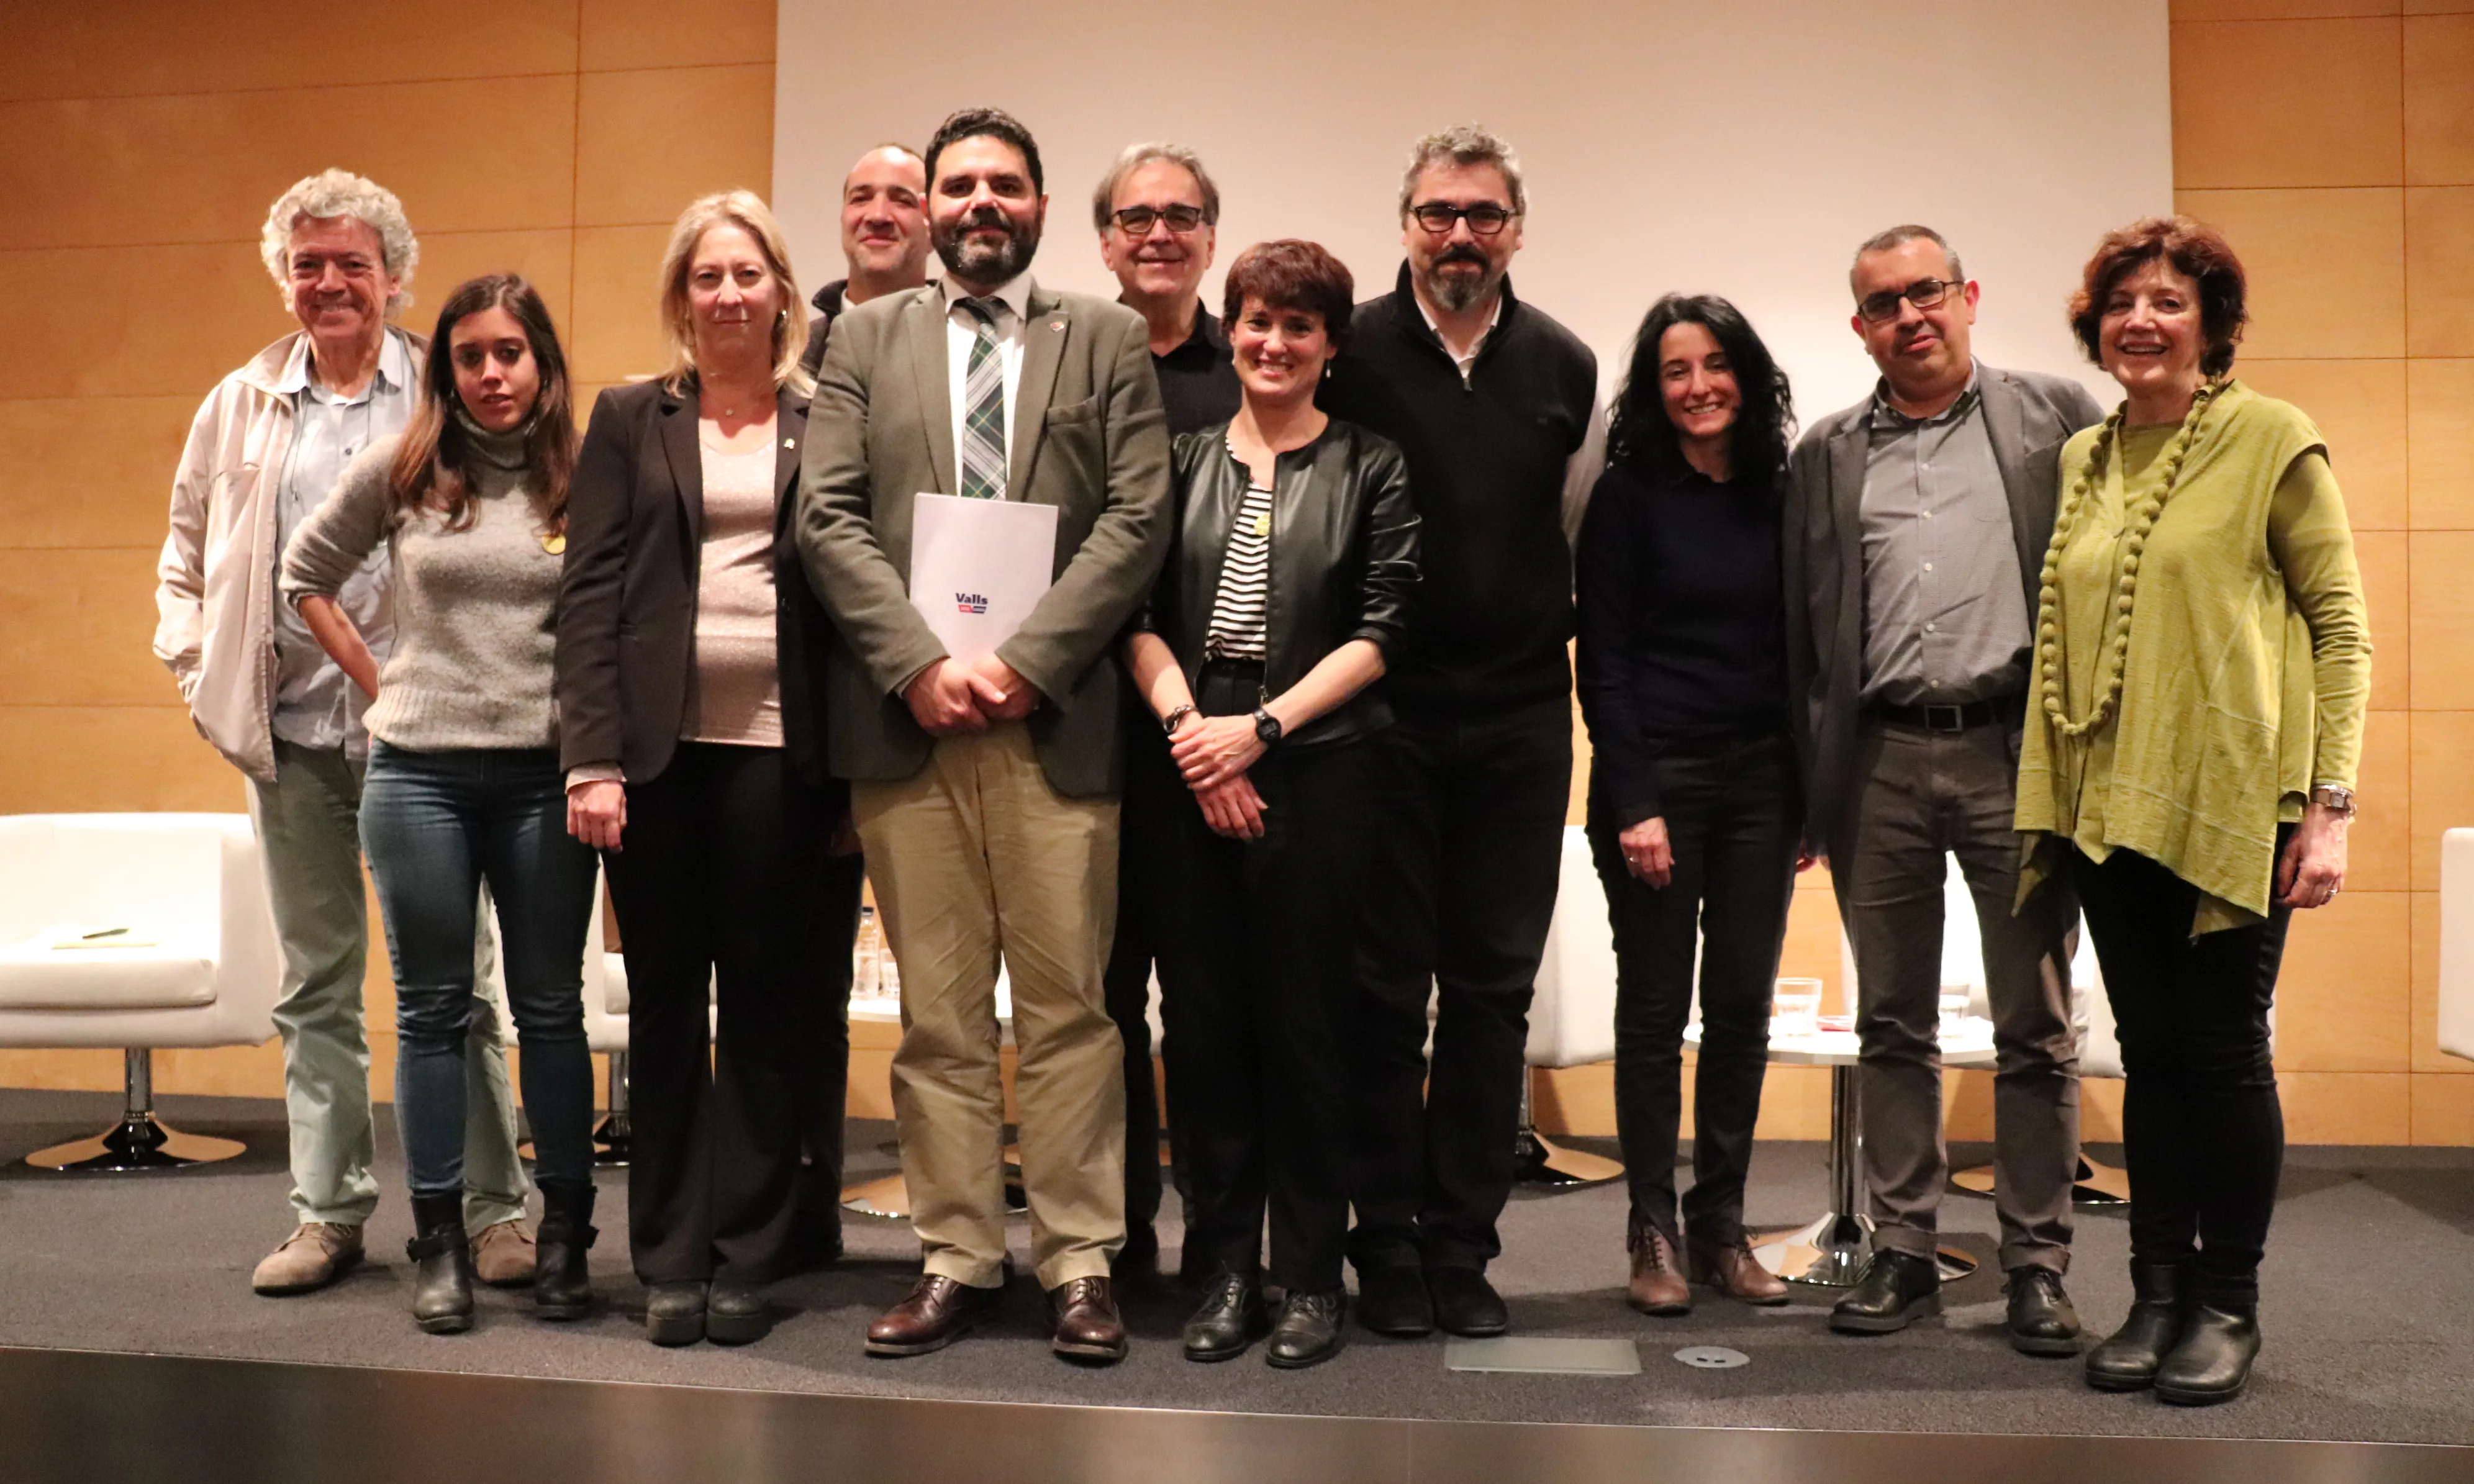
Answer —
559 138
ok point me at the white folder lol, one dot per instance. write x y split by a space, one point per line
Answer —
978 567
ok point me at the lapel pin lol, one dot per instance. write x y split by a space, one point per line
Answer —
790 442
1056 324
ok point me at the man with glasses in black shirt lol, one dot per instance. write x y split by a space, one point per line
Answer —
1497 407
1916 528
1157 213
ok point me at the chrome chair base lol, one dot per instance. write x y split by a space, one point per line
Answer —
1539 1160
890 1195
1830 1252
2096 1184
139 1142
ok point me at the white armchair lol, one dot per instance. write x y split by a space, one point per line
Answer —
1572 1013
605 1015
1962 959
134 930
2456 943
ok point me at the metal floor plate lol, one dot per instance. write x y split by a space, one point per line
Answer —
1535 1355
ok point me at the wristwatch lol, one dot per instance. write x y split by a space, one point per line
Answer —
1266 726
1175 718
2336 796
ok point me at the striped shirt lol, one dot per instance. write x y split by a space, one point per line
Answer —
1239 610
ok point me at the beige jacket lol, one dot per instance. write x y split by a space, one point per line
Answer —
215 580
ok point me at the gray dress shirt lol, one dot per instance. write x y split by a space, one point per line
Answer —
1944 622
312 706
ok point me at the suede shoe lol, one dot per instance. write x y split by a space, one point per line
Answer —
674 1313
1895 1291
1656 1285
314 1255
2042 1320
1086 1323
1465 1304
1230 1319
1731 1268
1307 1332
936 1312
735 1313
2211 1363
503 1254
1394 1300
2128 1359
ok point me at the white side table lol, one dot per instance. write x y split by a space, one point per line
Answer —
1830 1250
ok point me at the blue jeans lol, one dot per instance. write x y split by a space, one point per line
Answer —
435 826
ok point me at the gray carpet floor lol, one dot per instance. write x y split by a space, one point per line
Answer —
2369 1301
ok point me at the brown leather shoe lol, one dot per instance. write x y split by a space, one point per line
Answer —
503 1255
1732 1269
1656 1284
1087 1325
937 1312
315 1255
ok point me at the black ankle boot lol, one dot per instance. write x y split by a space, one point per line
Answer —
562 1288
2211 1362
442 1274
2128 1359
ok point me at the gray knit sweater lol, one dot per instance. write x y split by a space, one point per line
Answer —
473 631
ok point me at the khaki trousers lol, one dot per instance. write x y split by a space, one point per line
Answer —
977 861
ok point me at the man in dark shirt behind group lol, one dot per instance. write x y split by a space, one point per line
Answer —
1157 213
1495 405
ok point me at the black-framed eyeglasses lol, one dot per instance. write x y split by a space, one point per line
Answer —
1485 218
1138 221
1922 293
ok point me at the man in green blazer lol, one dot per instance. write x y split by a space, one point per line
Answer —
985 793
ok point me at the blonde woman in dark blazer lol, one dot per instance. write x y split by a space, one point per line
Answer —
695 753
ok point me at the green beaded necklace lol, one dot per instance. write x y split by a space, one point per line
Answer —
2049 601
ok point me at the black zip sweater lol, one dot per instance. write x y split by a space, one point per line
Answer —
1494 604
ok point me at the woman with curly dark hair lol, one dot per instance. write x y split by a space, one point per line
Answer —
1694 797
2202 670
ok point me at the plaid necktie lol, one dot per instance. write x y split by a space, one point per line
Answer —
984 422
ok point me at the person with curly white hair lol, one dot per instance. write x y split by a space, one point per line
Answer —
266 448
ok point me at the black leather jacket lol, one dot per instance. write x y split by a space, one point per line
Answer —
1343 558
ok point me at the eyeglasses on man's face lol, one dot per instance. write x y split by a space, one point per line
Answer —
1138 221
1485 218
1922 293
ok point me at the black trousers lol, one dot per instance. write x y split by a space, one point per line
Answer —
1257 989
1127 987
1732 810
2203 1131
1468 823
726 895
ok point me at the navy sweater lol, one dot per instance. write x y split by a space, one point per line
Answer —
1682 624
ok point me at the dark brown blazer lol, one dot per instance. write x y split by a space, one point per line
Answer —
627 600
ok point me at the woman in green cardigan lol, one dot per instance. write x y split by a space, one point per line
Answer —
2202 668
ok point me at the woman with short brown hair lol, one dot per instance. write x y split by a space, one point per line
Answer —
1293 553
2202 668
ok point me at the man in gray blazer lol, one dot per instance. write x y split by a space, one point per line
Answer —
1915 540
985 793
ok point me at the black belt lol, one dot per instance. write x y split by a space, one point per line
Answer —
1963 718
